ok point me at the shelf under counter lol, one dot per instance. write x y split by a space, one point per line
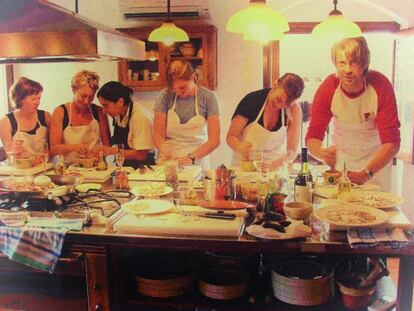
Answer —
196 300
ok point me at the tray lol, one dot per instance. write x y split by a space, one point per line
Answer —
5 169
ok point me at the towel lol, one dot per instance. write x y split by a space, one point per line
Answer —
55 223
13 219
386 237
35 246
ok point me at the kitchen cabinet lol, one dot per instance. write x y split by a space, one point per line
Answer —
150 74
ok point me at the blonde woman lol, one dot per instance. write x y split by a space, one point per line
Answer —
79 126
24 131
187 117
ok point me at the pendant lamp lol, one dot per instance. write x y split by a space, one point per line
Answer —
336 27
258 22
168 32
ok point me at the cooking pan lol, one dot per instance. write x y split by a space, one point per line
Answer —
64 185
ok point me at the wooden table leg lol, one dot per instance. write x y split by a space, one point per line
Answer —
405 284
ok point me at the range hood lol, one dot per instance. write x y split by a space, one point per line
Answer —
33 31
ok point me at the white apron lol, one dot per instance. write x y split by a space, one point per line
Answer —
81 134
183 139
33 143
355 133
272 143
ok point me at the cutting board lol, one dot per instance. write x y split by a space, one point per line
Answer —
331 191
178 224
92 175
6 169
186 173
397 219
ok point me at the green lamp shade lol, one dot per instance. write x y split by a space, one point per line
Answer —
336 27
168 33
257 20
263 38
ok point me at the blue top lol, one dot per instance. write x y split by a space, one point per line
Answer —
208 104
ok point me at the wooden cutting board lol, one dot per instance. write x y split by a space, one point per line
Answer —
397 219
331 191
7 170
92 175
177 224
186 173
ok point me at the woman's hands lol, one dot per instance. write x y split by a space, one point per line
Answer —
244 149
17 147
80 148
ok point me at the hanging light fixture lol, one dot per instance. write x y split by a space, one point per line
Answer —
168 32
336 27
258 22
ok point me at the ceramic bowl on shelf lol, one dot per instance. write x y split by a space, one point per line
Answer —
187 50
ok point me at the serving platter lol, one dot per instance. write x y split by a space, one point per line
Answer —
147 207
226 205
375 199
351 215
152 189
295 230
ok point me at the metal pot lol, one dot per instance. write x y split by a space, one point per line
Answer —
219 184
65 184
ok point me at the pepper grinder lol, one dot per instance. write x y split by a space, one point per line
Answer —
344 184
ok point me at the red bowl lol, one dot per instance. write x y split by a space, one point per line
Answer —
356 298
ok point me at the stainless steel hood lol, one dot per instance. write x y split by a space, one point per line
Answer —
34 31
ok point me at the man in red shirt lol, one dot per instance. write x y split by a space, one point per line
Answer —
362 106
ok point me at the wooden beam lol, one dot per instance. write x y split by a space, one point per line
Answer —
9 83
267 66
306 27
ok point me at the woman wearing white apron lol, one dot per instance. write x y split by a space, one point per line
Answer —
365 123
186 118
25 130
268 119
79 127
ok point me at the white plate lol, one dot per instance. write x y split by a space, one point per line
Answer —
148 190
374 199
350 215
145 207
295 230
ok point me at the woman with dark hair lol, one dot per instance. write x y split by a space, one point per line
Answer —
132 125
268 119
24 131
186 117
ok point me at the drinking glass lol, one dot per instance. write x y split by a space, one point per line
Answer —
119 157
256 155
44 154
262 181
171 173
10 161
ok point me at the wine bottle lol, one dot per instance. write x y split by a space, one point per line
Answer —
302 186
